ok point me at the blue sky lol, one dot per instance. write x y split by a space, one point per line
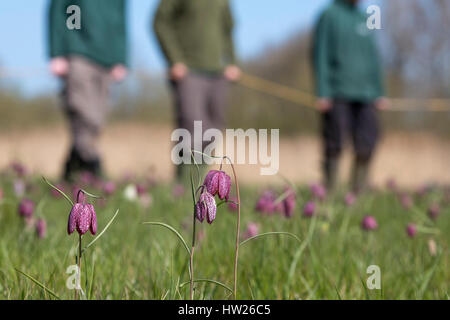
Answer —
23 34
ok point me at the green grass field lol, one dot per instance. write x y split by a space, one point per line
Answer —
136 261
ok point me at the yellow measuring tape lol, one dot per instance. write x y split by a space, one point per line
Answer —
308 100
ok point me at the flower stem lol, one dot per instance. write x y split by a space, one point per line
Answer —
236 253
79 268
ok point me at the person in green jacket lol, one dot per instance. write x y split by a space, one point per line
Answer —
349 87
87 48
196 39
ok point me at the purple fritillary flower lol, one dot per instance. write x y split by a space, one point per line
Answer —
109 188
41 228
266 202
1 194
252 231
82 218
178 191
289 203
206 208
318 191
411 230
350 199
369 223
309 209
218 182
26 208
434 211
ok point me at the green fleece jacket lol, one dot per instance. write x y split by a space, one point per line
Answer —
197 33
102 37
346 60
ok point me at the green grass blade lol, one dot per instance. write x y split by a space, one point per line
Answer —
103 231
209 281
269 234
174 231
57 189
47 290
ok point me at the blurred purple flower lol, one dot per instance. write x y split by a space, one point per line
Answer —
350 199
141 189
19 169
19 187
26 208
266 202
289 202
87 178
109 188
252 231
178 191
434 211
411 230
369 223
309 209
218 182
206 208
1 194
391 184
41 228
406 201
318 191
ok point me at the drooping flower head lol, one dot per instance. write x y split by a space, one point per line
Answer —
369 223
41 228
206 207
82 218
218 182
289 202
411 230
309 209
26 208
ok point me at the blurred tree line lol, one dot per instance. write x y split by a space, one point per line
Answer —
414 43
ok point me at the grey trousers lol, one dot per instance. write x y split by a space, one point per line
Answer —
85 97
200 97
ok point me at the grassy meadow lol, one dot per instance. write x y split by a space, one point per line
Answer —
136 261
